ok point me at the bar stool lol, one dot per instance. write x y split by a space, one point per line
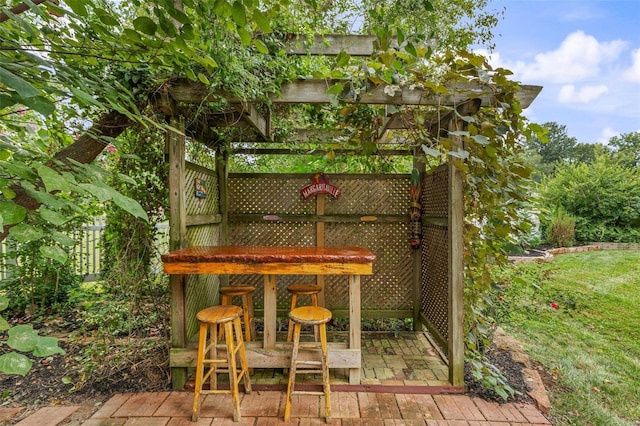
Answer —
229 318
246 293
318 317
296 290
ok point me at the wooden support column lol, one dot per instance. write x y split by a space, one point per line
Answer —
320 199
175 144
417 259
222 169
456 251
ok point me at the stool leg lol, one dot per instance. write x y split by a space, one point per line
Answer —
244 365
294 299
247 319
231 359
325 371
224 301
202 341
292 371
213 354
252 318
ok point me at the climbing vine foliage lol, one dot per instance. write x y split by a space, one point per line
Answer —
74 75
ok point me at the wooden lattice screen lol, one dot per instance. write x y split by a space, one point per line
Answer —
201 290
255 200
435 249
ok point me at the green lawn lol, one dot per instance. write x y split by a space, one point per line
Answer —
591 342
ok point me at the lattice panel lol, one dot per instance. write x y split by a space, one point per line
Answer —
435 189
268 195
391 285
201 206
203 235
367 196
272 234
435 278
201 292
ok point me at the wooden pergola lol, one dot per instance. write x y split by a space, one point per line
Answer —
433 275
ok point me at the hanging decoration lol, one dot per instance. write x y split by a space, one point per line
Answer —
320 185
200 188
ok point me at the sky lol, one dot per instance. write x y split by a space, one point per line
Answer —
585 54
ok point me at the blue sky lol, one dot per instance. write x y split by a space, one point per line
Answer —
586 54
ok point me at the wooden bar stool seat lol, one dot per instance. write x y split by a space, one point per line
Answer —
210 319
296 290
317 317
246 293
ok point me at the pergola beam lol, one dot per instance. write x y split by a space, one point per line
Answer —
332 45
262 124
315 92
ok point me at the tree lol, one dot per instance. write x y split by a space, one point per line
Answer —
557 147
627 148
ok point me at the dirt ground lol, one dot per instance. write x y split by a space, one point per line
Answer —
95 369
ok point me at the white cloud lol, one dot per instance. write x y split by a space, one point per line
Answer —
633 73
578 57
606 134
569 94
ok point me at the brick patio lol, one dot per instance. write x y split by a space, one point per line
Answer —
404 382
266 408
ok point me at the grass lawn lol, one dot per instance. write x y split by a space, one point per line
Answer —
579 316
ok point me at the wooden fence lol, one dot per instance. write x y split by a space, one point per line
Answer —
87 253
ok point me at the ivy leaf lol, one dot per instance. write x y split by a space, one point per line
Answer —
52 180
24 232
427 5
481 139
145 25
262 48
430 151
262 21
11 212
4 325
238 14
245 36
62 239
4 303
39 104
55 253
15 363
22 338
47 346
24 89
342 59
53 216
130 205
85 98
77 6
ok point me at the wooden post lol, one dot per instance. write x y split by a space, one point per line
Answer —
355 323
177 240
456 252
417 262
222 169
320 198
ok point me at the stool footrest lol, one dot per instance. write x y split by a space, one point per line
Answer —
308 363
307 393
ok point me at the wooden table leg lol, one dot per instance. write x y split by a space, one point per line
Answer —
270 314
355 323
178 326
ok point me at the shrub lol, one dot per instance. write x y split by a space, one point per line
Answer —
562 230
603 196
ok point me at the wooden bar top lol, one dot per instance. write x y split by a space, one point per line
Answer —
265 254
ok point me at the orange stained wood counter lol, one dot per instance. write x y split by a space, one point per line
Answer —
271 262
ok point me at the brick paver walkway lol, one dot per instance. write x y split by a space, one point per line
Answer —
266 408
